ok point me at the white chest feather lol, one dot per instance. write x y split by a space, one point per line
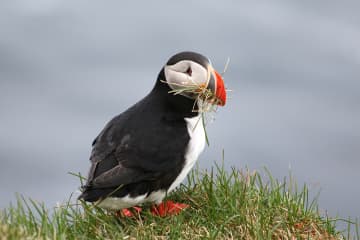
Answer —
127 201
195 147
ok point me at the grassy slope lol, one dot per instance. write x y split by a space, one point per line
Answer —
235 205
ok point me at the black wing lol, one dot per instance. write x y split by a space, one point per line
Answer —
137 147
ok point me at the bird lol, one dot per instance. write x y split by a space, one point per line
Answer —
145 152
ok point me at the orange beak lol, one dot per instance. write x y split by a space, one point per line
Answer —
220 92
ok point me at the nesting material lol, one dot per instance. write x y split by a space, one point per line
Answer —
205 100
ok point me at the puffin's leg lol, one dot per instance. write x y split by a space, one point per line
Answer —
128 212
168 208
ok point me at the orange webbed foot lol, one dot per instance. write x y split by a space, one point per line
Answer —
168 208
128 212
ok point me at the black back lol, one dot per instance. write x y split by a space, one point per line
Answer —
142 150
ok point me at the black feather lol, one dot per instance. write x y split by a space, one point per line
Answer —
141 149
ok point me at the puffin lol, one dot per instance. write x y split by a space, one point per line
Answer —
145 152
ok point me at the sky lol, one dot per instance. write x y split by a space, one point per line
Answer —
68 67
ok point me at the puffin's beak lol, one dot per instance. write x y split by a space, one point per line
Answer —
217 87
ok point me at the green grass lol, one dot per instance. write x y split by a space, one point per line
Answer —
224 205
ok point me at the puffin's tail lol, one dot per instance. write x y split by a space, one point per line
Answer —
90 194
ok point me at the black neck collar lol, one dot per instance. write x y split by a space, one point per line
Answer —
177 103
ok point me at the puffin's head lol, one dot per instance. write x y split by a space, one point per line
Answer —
188 69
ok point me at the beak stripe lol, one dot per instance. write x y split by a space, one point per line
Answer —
220 89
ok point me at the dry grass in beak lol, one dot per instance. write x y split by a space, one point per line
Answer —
205 100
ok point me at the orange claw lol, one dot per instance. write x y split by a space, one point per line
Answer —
127 212
168 208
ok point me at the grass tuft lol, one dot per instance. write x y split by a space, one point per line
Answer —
206 102
238 204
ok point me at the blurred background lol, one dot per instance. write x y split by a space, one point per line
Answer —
68 67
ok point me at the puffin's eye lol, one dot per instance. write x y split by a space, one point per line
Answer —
189 71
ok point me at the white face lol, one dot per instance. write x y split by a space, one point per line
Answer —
186 73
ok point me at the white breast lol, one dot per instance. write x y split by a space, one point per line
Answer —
115 203
195 147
